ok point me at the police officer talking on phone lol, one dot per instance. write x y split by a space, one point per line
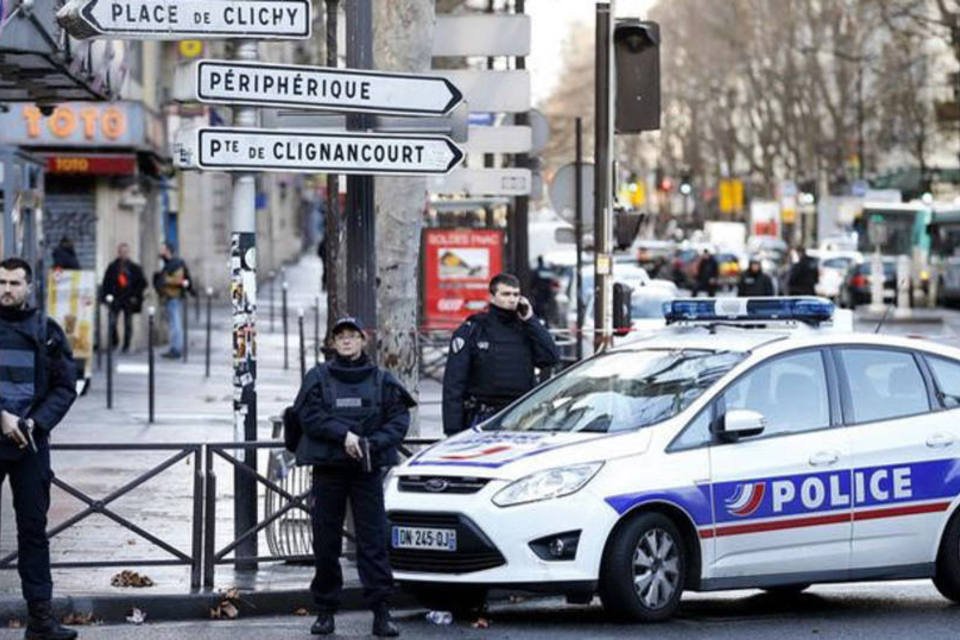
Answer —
347 421
37 387
492 357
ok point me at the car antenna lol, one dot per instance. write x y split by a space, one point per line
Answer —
883 318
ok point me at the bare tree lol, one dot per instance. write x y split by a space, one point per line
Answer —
403 38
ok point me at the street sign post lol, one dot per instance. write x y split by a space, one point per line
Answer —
187 19
232 149
306 87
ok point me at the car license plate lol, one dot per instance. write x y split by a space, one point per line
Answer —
423 538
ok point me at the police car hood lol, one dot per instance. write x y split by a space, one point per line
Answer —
512 454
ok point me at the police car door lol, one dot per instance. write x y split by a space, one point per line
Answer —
904 454
781 500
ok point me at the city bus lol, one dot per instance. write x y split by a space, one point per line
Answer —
944 233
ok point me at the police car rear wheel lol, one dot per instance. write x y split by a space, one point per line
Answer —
643 570
947 577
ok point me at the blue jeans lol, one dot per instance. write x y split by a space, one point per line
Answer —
175 318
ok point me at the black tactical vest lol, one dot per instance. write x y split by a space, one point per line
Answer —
501 367
18 373
356 402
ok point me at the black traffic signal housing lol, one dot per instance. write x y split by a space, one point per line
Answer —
636 53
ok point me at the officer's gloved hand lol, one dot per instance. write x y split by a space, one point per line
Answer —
351 444
10 428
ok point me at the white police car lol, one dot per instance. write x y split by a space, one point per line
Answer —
751 443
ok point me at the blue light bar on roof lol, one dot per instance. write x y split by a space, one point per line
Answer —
808 309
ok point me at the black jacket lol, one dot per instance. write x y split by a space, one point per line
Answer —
803 277
65 257
323 430
129 298
754 284
55 375
476 370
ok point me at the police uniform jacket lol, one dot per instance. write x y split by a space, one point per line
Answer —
492 359
754 284
350 395
37 374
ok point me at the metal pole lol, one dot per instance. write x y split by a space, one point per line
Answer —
97 338
603 134
333 225
206 373
578 222
151 328
243 247
196 315
303 347
360 221
111 319
521 251
316 331
273 277
283 318
186 319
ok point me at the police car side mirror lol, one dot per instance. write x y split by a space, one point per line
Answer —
741 423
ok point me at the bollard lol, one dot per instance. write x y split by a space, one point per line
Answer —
876 283
904 282
97 344
151 329
316 331
206 373
186 318
303 347
196 306
273 275
110 320
283 311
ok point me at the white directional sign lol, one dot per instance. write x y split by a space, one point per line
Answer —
304 87
490 182
229 149
187 19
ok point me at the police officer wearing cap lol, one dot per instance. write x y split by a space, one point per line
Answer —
492 357
37 387
347 421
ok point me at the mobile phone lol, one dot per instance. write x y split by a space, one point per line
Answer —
523 308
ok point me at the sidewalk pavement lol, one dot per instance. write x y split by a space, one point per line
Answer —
189 409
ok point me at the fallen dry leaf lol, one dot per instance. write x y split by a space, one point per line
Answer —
136 616
76 618
14 623
127 578
481 623
301 612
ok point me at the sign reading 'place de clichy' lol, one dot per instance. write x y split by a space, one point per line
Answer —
231 149
305 87
177 19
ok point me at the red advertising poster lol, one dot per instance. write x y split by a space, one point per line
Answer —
457 267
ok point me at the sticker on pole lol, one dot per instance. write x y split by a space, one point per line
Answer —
229 149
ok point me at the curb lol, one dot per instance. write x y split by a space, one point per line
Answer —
113 609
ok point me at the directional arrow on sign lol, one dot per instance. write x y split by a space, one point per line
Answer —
230 149
187 19
304 87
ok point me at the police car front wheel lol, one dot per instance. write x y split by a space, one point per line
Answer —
642 574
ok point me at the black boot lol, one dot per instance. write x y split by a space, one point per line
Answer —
383 625
323 625
41 625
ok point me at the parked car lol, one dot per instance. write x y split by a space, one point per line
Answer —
855 289
650 254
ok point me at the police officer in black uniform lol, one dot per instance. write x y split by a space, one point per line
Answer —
754 282
347 421
37 387
492 357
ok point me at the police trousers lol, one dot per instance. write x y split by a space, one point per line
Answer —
331 488
30 479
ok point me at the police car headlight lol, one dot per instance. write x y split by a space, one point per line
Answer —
544 485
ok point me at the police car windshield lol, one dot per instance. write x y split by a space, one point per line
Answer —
619 391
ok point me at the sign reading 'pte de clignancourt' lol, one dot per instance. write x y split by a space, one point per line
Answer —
171 19
232 149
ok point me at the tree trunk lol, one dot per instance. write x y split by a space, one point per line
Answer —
403 38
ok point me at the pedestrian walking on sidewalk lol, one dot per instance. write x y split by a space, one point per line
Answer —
124 281
37 387
172 284
347 422
492 357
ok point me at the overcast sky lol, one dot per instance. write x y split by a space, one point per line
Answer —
551 21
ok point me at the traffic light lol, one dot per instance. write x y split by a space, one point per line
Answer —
686 183
636 51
